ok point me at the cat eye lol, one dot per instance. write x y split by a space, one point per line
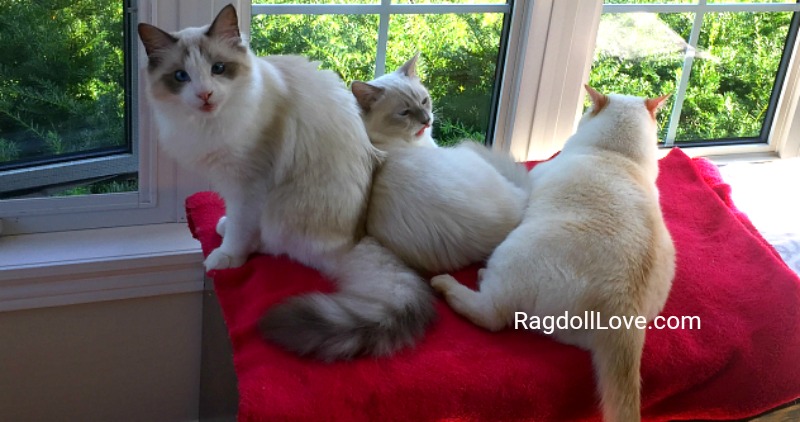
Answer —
182 76
425 101
218 68
404 112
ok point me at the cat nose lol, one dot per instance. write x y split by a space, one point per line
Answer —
205 95
427 120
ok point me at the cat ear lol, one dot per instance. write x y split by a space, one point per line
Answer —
226 25
155 39
366 94
654 104
599 101
409 68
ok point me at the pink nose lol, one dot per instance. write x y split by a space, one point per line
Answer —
205 95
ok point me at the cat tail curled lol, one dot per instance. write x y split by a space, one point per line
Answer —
617 356
381 306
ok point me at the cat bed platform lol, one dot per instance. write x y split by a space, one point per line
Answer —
741 361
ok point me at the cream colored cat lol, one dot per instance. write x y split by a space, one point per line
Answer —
439 209
284 144
592 239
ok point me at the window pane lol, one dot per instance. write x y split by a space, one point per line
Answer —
459 61
733 75
62 82
641 54
345 44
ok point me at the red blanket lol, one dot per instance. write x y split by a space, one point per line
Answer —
742 361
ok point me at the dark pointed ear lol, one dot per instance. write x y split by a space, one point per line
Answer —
654 104
366 94
155 39
409 68
599 101
226 25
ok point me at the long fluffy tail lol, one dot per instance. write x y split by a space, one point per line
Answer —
382 306
617 356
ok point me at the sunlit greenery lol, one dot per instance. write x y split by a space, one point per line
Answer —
731 77
62 67
61 77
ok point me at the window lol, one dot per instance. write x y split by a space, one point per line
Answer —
64 99
724 63
507 72
462 45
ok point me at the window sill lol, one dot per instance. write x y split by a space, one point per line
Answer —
67 268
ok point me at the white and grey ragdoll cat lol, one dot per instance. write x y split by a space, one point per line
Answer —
439 209
593 239
398 111
284 144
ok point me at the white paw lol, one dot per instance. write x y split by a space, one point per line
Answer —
220 260
221 226
442 283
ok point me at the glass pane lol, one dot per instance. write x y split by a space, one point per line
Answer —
733 75
641 54
346 44
458 64
752 1
62 81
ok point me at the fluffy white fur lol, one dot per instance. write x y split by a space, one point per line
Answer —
592 239
438 209
284 144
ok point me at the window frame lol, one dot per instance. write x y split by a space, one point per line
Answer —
548 58
163 185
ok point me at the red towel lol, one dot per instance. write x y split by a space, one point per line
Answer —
741 362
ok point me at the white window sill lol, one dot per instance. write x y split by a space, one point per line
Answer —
67 268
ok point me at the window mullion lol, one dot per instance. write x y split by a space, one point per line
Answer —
683 85
383 38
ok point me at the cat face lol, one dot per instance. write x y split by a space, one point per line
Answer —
197 69
395 105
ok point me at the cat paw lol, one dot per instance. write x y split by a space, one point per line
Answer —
221 226
220 260
443 283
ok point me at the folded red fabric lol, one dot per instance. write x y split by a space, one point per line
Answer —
741 361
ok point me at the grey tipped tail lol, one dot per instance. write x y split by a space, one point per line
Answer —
382 307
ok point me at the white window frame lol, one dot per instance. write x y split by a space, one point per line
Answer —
549 56
551 94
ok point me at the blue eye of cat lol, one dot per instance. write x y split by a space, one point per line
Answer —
218 68
182 76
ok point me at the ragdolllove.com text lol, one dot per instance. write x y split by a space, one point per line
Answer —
592 320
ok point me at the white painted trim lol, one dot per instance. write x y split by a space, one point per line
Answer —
67 268
560 46
785 135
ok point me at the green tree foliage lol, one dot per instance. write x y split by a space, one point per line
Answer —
61 77
731 79
458 56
